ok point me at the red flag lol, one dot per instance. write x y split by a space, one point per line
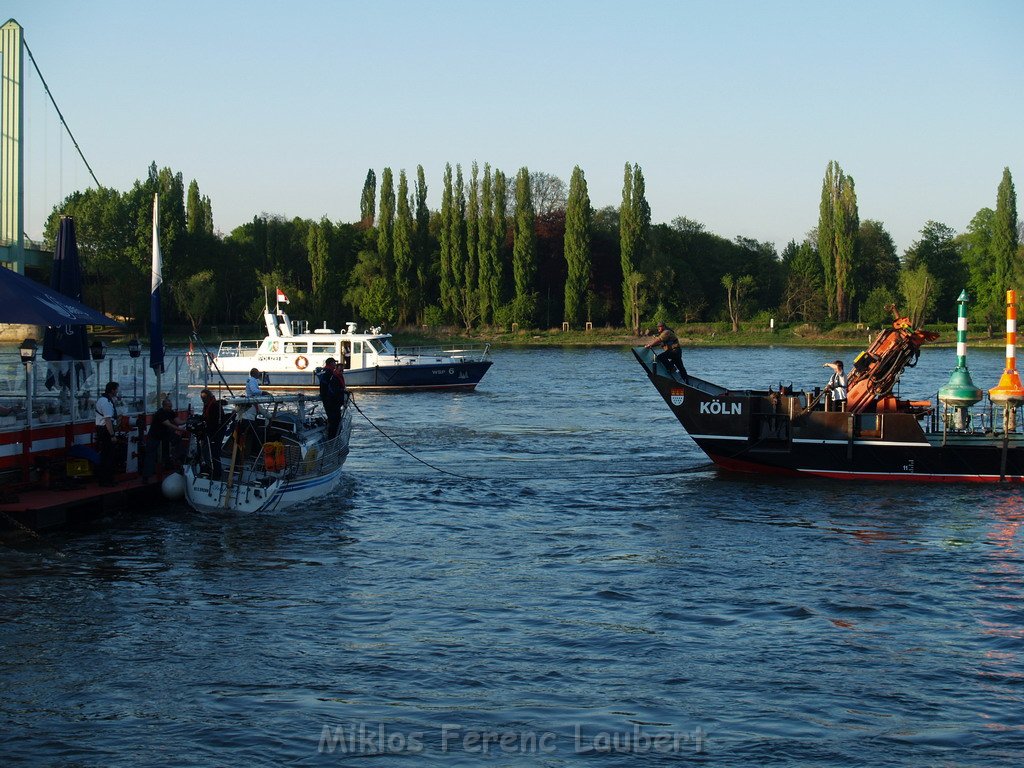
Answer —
281 298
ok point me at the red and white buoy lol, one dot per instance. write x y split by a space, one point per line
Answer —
1009 390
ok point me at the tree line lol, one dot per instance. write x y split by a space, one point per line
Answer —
529 249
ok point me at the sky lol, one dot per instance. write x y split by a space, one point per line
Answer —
732 109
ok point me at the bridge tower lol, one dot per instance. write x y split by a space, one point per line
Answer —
12 151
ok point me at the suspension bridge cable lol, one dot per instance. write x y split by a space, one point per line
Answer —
59 114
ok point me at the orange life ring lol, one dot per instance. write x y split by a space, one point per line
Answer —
301 362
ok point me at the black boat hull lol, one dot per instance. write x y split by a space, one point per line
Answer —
464 376
769 433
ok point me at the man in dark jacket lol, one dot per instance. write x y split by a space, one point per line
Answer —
672 357
332 394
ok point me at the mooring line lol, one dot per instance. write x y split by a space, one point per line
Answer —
681 471
32 533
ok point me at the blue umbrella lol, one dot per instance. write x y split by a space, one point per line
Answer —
66 341
23 300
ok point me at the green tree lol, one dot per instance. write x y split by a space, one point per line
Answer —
500 263
405 267
937 251
578 216
838 224
471 290
386 224
803 297
421 243
1006 238
447 244
524 251
634 230
368 290
457 235
975 246
487 245
368 201
735 291
878 264
104 231
194 296
918 288
318 251
195 212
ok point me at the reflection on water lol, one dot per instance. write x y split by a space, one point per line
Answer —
772 622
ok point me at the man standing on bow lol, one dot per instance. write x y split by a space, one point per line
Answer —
672 356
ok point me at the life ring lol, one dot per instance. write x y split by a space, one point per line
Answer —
301 362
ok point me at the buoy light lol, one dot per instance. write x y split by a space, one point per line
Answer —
1009 389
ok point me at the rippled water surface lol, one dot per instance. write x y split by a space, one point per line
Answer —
562 597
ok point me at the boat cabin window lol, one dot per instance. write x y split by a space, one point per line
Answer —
324 348
296 347
357 347
381 346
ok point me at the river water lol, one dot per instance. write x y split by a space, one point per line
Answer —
566 586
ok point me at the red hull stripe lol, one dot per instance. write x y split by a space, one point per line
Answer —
737 465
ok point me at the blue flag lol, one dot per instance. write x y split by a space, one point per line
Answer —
156 325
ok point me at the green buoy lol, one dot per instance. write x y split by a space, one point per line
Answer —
960 391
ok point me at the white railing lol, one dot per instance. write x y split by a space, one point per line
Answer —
48 393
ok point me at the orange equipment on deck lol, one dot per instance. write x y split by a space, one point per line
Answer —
876 371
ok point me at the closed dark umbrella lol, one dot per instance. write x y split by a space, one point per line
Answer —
66 341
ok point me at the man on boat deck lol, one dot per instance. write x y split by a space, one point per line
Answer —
672 356
332 394
837 385
245 427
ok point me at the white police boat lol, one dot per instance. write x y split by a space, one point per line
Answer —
290 355
279 458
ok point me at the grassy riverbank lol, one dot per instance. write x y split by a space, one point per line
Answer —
690 334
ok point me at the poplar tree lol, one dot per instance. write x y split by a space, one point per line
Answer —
826 233
457 234
578 217
486 246
471 292
499 267
405 267
838 224
421 242
368 202
524 250
318 240
1006 238
634 230
447 203
847 228
386 225
194 210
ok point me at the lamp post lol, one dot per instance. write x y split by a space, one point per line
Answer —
134 350
98 350
28 356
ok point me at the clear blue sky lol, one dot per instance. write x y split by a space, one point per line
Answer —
732 109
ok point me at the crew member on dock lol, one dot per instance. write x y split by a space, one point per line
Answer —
106 433
161 438
672 356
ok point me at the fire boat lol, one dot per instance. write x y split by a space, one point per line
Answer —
962 435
